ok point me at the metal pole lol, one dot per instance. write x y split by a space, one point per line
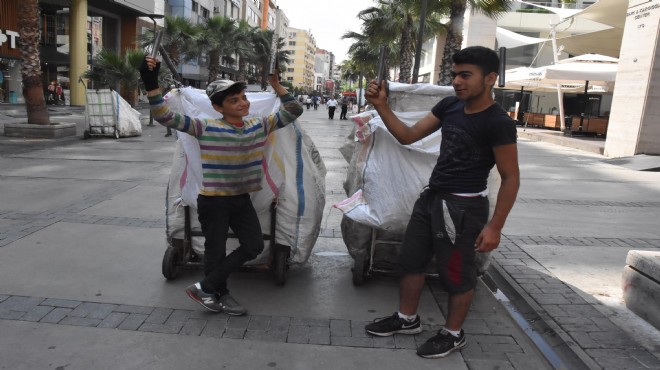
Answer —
381 65
560 93
360 93
420 38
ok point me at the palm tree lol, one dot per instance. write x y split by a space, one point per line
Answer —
177 35
28 43
263 49
363 54
216 37
350 72
491 8
283 56
112 70
178 32
396 24
243 49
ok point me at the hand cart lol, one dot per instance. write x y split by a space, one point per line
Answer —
364 265
180 254
100 114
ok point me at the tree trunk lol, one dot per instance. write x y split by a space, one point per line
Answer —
28 43
242 64
406 55
454 40
264 77
214 65
130 95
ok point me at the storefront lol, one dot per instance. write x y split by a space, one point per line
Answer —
10 66
110 24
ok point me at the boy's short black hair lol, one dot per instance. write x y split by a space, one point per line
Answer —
483 57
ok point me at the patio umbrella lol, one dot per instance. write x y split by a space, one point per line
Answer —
589 68
586 73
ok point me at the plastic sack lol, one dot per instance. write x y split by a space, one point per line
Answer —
383 182
385 177
294 176
106 109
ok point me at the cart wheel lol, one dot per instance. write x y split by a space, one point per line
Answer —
281 256
358 270
86 134
170 263
116 133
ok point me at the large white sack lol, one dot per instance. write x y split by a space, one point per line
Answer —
105 108
385 177
294 176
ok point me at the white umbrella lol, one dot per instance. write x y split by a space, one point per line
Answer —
587 68
588 72
570 72
569 77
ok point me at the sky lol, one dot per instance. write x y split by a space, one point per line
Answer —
328 21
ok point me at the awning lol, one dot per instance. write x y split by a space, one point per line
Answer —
606 42
510 39
561 12
609 12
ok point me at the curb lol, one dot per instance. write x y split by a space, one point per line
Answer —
557 138
557 346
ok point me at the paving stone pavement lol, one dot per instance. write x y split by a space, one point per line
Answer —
556 327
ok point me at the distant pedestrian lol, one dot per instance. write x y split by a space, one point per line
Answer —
50 98
59 95
332 105
315 101
344 108
308 102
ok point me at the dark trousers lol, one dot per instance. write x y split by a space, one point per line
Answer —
435 217
344 109
331 112
216 216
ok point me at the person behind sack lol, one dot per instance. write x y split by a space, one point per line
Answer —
344 108
476 134
232 149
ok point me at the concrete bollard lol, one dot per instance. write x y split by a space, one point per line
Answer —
641 285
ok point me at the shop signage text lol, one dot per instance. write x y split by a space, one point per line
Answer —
10 36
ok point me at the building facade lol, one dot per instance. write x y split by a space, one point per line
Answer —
228 8
72 33
300 72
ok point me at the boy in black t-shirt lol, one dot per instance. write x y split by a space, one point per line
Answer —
450 218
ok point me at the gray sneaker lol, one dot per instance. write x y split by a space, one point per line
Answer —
230 306
206 300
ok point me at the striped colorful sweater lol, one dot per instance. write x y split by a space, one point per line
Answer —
231 156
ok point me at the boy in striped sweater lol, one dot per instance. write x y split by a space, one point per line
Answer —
231 152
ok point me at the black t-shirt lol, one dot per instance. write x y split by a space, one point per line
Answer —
466 151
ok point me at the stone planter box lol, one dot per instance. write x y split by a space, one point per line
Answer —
52 131
641 285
